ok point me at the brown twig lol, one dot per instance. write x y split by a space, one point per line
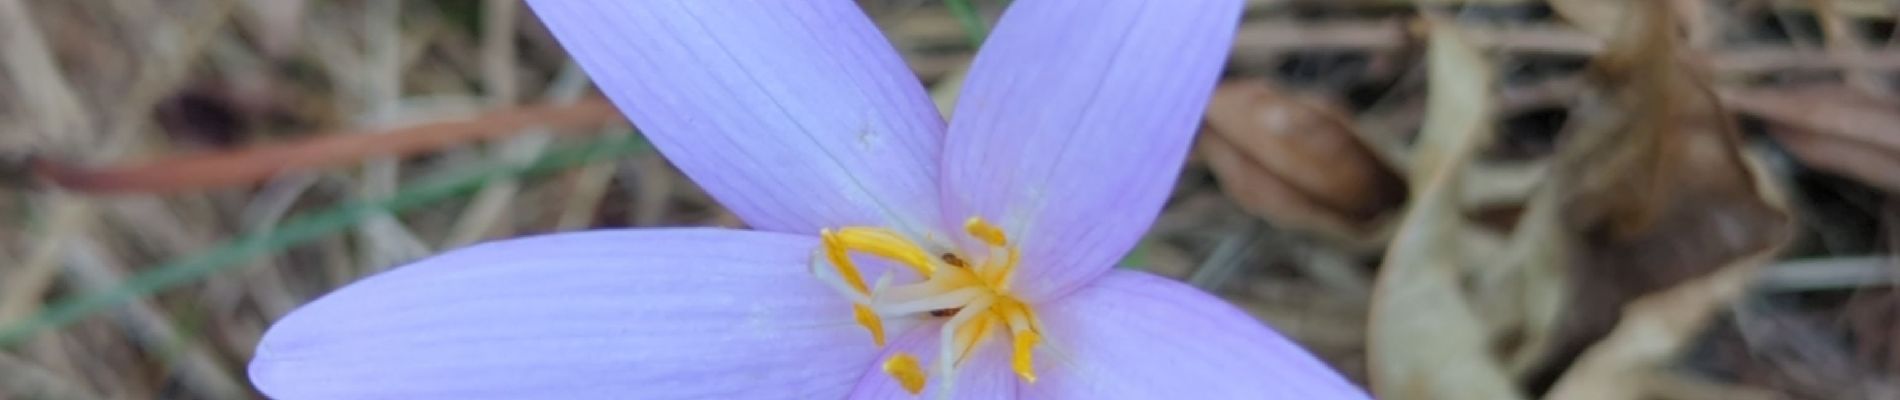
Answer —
1256 39
202 171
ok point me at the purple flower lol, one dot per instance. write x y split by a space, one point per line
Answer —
895 255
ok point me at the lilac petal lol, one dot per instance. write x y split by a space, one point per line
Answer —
984 375
1131 335
797 115
677 313
1074 125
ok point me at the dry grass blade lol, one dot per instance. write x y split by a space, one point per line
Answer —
486 216
277 24
1830 110
1829 273
1844 45
1869 164
589 187
1424 341
1832 128
1607 19
28 62
1297 163
198 370
1601 18
28 381
21 291
201 171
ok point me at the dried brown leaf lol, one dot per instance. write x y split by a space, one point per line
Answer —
1524 292
1668 218
1297 162
1425 341
1653 329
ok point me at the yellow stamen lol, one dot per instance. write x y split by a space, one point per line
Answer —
836 252
888 245
1017 316
973 293
871 322
982 230
908 373
1022 361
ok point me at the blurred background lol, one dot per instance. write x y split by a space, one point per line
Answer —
1476 199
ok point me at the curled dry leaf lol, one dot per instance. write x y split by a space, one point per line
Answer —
1831 128
1651 219
1523 290
1298 163
1425 341
1668 218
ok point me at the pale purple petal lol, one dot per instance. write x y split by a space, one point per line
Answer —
1131 335
1075 122
797 115
657 314
984 375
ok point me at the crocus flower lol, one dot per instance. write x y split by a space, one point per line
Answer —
893 255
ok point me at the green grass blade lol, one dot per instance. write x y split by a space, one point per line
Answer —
972 23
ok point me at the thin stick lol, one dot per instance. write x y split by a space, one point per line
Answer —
211 170
588 188
1828 274
382 239
1226 259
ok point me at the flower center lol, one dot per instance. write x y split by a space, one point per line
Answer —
971 293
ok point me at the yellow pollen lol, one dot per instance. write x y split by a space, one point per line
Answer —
982 230
871 323
904 368
1023 361
1017 316
968 292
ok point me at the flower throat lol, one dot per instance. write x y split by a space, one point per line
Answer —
970 294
